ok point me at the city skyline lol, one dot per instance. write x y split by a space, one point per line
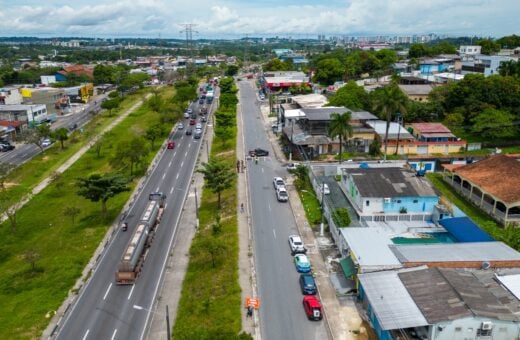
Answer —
233 18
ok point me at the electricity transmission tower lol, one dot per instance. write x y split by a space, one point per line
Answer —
188 29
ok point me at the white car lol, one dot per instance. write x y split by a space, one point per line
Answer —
198 126
324 188
186 115
180 126
292 166
189 111
278 182
282 195
296 245
45 142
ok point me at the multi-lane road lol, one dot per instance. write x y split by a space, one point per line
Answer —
105 310
281 313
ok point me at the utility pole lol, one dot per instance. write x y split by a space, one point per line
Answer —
188 29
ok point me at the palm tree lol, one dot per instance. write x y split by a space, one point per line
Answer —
339 126
390 101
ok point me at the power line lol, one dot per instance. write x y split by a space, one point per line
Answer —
188 29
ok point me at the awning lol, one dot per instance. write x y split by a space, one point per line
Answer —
349 268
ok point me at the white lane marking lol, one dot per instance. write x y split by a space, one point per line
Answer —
170 164
131 291
108 289
164 175
86 334
177 177
171 190
157 190
262 170
274 233
165 206
182 163
269 205
186 154
189 145
114 334
174 153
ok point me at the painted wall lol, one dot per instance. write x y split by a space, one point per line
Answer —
466 329
411 204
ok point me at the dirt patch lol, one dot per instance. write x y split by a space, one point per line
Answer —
8 185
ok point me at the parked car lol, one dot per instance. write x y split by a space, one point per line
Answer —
302 263
188 132
180 126
258 152
6 146
296 245
282 195
292 166
324 188
312 307
170 144
192 121
278 182
307 284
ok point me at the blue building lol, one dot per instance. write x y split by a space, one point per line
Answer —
385 193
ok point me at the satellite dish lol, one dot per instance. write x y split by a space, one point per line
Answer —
485 265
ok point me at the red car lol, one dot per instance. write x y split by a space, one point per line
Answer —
192 121
312 307
171 144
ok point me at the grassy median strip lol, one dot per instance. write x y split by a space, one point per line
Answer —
510 236
210 306
41 258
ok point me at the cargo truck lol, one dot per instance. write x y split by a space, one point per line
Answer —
209 97
132 260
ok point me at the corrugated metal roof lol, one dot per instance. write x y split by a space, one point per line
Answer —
464 230
453 252
390 300
512 283
390 182
370 247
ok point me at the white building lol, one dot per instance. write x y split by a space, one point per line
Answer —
487 65
24 114
10 96
466 51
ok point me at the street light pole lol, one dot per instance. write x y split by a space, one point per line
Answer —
322 225
168 331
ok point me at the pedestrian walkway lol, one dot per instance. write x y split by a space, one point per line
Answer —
69 162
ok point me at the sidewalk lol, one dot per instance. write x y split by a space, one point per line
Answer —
341 320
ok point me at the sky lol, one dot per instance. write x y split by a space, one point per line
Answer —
238 18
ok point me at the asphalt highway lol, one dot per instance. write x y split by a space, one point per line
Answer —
281 312
104 309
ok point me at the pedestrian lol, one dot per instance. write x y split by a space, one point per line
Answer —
249 311
238 165
242 207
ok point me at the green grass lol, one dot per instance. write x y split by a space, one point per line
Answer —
63 248
510 236
310 202
210 303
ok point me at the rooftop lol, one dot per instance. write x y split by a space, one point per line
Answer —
390 182
455 252
395 130
485 173
370 247
310 100
430 128
393 305
417 89
447 294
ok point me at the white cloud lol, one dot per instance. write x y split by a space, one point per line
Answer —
136 17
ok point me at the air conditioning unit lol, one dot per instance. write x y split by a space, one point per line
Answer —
487 325
387 200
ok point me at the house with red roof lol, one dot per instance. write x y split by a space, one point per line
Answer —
492 184
76 70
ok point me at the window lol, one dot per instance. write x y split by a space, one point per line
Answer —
398 201
483 332
415 201
367 203
458 329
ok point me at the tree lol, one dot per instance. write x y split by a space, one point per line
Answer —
35 136
301 172
417 51
350 96
111 104
488 46
329 71
339 126
231 70
494 124
10 209
275 65
375 148
61 135
388 101
218 176
100 188
153 132
131 153
72 212
31 256
215 247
